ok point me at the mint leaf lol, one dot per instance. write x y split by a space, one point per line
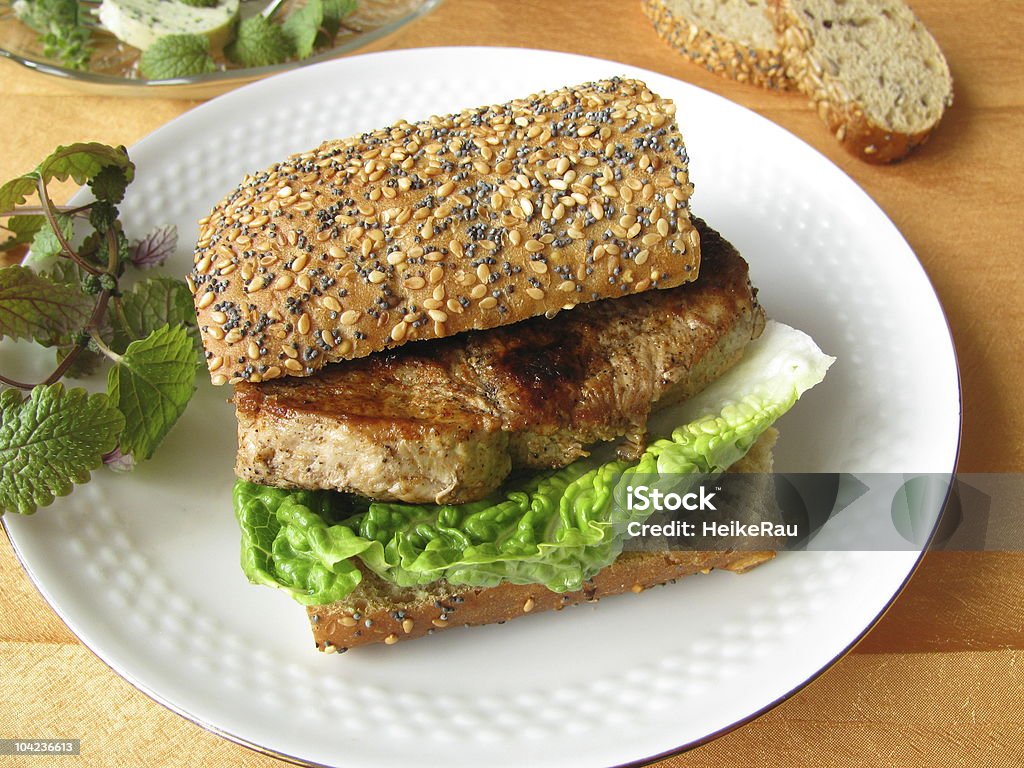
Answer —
175 56
82 162
45 245
85 364
154 249
22 228
16 191
35 307
150 305
109 184
50 441
259 43
151 385
302 27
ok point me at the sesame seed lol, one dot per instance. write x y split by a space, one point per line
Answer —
331 303
304 323
391 639
528 605
292 365
399 331
347 621
376 277
283 283
534 246
535 293
415 283
219 380
407 625
441 623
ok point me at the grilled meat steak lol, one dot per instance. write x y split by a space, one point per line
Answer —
447 420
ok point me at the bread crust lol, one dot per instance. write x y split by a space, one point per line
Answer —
362 619
338 627
424 230
845 118
721 55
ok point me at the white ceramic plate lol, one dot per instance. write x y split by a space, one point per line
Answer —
144 568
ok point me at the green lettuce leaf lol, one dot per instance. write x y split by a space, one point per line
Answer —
556 528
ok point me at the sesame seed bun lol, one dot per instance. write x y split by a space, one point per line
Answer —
424 230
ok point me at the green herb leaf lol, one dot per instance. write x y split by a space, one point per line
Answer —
22 228
33 306
43 15
16 191
82 163
151 385
334 12
85 364
302 27
45 245
175 56
150 305
50 441
61 31
109 184
201 3
259 43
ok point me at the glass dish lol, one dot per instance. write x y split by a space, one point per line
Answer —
113 68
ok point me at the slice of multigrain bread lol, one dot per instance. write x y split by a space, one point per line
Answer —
734 38
379 612
872 70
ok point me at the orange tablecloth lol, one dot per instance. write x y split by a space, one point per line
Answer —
940 680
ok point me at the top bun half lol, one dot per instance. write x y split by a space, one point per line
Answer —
424 230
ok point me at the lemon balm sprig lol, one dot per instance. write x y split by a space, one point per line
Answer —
68 294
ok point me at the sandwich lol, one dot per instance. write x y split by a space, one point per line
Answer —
446 341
